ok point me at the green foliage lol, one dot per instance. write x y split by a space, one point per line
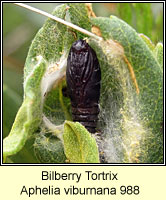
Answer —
49 149
158 51
79 16
149 103
130 122
79 145
29 115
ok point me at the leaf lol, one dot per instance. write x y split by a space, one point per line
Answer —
50 46
158 51
80 146
46 50
132 121
10 97
29 115
49 149
57 107
51 42
147 41
79 16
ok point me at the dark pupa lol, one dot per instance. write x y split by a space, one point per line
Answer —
83 76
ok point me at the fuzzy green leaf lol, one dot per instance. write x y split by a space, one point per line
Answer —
44 106
48 47
79 16
135 118
147 41
29 115
49 149
130 122
80 146
158 51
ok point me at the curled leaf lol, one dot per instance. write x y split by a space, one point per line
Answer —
46 58
131 98
130 121
29 115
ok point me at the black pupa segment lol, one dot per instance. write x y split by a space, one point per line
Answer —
83 76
